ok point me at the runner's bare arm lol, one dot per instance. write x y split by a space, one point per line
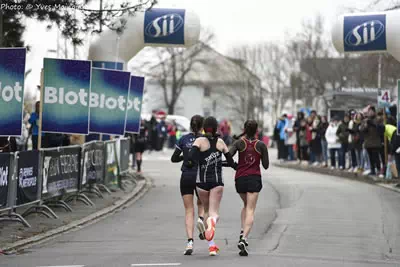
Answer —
224 149
238 145
262 148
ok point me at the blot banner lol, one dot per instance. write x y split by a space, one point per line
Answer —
135 105
66 96
12 77
108 101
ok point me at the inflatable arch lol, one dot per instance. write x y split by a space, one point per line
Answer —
154 27
368 33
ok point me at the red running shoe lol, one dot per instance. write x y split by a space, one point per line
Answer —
210 232
213 250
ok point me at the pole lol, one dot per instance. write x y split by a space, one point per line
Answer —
384 109
386 140
101 16
41 110
380 72
58 42
66 48
1 25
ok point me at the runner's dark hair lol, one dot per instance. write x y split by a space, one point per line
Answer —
211 127
196 123
250 128
249 125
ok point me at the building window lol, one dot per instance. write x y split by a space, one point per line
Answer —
207 91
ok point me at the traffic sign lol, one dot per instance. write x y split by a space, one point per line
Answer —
384 99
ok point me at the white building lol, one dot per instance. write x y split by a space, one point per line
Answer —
216 86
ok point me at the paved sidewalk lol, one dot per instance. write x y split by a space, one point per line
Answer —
12 232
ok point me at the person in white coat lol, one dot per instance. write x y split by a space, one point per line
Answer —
333 141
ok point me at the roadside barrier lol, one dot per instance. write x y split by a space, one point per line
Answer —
46 178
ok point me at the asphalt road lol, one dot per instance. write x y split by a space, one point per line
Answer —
302 219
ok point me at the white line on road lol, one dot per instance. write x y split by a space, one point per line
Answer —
156 264
64 266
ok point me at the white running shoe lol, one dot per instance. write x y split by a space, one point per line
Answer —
367 172
189 248
201 228
332 168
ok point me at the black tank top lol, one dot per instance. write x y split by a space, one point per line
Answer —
210 164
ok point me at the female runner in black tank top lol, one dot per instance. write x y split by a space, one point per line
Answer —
207 154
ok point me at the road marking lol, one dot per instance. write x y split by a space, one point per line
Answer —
156 264
64 266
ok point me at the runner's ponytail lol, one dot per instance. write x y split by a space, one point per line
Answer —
250 128
210 128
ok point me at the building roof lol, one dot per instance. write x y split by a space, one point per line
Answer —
213 68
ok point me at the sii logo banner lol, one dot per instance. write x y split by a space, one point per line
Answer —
364 33
12 77
135 105
164 26
108 101
66 96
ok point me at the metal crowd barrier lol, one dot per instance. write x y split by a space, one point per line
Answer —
54 176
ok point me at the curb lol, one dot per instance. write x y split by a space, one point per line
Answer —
143 186
342 174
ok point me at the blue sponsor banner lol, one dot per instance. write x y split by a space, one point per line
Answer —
364 33
12 77
108 101
135 104
164 26
66 96
104 65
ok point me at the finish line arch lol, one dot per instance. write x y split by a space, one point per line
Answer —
158 27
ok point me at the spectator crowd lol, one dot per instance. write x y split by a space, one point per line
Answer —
354 143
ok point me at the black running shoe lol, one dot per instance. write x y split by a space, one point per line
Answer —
243 249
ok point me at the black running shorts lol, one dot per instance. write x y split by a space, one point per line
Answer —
140 147
248 184
188 184
209 186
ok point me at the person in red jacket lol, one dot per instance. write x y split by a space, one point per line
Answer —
248 180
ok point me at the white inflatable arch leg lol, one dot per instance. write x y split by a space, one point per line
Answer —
368 33
155 27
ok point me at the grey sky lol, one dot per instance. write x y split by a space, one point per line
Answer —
234 22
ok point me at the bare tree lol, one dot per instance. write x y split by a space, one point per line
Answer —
266 61
320 71
172 68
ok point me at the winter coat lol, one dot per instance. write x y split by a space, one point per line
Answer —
281 127
290 134
331 137
343 133
372 136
